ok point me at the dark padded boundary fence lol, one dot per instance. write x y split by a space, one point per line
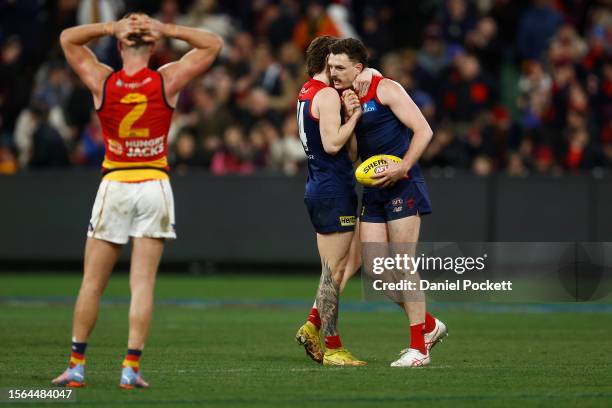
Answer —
262 219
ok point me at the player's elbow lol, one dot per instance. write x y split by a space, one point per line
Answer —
64 37
426 133
217 44
331 148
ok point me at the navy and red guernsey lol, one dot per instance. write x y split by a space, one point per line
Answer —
328 175
379 131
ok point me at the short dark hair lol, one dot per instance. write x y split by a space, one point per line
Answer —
353 48
316 54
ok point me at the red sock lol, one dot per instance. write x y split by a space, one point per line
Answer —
430 323
417 340
333 342
314 318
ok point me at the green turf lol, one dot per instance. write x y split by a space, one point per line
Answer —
244 355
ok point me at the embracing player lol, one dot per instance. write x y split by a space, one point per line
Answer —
391 212
330 199
135 107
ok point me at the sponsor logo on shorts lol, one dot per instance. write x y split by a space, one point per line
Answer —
398 205
347 220
410 203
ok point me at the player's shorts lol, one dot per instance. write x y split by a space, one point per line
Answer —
338 214
124 210
404 199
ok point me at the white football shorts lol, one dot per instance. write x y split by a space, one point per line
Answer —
123 210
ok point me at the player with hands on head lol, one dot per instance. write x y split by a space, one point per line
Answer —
134 199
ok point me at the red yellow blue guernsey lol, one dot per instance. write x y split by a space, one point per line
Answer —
135 119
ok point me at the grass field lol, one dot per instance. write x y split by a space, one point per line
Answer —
228 341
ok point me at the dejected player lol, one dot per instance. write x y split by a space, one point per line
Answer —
135 107
391 212
330 199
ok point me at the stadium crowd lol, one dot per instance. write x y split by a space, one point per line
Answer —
509 86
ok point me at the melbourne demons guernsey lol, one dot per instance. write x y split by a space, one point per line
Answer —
135 119
379 131
328 175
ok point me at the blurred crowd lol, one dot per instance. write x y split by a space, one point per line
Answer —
509 86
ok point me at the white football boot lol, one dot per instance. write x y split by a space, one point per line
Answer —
411 358
436 335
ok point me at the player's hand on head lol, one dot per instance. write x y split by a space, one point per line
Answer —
126 27
391 175
151 29
362 83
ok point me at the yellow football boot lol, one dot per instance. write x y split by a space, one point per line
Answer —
341 357
308 336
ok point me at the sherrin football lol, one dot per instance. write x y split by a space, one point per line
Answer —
372 166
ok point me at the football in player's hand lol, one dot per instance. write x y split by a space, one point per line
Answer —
373 166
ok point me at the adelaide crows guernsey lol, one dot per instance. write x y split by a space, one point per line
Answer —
135 119
379 131
328 175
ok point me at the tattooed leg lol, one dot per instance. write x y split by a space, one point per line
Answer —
328 297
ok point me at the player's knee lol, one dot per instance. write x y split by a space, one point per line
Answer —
92 289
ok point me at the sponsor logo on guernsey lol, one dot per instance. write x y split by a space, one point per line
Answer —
132 85
347 220
369 106
145 148
115 147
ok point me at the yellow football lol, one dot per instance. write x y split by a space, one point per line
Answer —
373 166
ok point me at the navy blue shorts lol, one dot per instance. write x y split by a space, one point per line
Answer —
404 199
329 215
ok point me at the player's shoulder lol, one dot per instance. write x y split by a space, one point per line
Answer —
311 88
326 96
387 84
388 89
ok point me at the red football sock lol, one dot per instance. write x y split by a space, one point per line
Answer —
333 342
430 323
314 318
417 340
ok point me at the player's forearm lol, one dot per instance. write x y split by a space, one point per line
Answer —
418 144
344 134
81 35
195 37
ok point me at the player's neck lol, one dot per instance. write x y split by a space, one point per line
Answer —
322 77
135 64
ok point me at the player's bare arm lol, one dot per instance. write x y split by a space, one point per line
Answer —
361 84
334 134
393 95
206 47
83 61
